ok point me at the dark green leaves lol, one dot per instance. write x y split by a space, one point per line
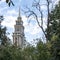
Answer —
9 2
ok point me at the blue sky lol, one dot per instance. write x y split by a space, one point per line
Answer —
32 30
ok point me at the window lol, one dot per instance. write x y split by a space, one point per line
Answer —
19 23
17 29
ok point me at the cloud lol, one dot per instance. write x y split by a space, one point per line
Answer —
12 12
30 27
24 18
9 21
19 0
1 1
43 7
9 18
56 2
33 28
2 9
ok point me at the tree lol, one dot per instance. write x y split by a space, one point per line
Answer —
4 40
29 53
10 53
40 14
54 21
54 30
42 51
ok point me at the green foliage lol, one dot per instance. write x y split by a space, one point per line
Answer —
55 21
9 2
29 53
43 52
4 40
54 32
10 53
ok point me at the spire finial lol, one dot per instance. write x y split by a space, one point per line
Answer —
19 16
19 11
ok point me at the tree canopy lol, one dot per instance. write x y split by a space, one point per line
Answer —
49 50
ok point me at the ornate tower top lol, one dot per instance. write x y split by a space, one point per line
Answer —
19 19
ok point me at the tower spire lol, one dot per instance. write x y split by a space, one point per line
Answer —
19 11
19 16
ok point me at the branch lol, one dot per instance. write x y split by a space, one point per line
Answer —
34 14
38 7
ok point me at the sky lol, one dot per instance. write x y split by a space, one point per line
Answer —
32 30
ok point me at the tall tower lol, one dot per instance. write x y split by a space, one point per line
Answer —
18 35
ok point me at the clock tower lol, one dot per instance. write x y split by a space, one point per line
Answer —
18 35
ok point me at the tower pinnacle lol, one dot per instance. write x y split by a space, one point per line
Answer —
19 16
19 11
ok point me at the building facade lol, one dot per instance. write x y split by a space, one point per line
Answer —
18 35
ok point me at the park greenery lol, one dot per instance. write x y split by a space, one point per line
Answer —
49 50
